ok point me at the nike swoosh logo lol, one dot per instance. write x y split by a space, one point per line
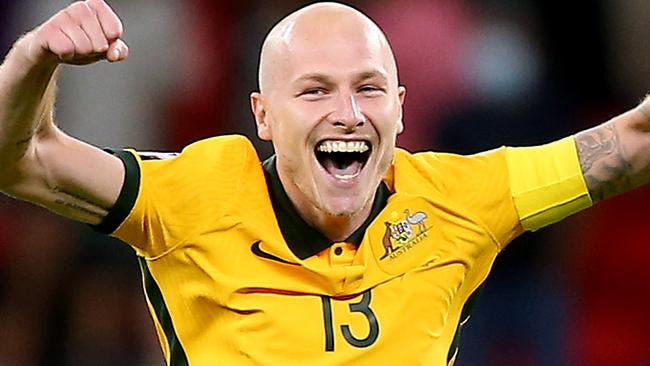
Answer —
257 250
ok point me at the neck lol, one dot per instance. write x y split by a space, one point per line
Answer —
336 227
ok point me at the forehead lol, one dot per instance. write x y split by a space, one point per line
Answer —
327 39
334 56
329 43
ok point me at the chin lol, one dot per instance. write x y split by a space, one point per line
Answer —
342 209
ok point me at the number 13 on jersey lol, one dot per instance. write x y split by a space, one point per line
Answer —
363 308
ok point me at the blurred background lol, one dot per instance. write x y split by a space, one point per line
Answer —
480 74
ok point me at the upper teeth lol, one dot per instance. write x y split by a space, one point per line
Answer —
343 146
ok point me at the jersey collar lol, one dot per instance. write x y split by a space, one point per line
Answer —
303 240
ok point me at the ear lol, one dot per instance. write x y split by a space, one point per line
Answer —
259 111
401 93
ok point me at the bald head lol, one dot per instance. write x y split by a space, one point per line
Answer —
324 27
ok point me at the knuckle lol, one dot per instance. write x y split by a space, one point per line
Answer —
80 9
94 4
72 10
48 30
47 27
79 13
69 16
57 19
75 6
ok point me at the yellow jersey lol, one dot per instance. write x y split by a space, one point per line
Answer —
234 276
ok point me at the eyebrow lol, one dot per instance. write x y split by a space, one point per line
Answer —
325 79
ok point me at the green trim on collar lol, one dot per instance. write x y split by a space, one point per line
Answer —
304 240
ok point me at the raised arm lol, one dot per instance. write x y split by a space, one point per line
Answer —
38 162
615 156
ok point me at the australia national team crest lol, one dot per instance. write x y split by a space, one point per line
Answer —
402 235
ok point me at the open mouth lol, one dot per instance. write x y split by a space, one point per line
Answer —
343 159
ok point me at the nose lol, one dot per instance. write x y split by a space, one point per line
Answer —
347 114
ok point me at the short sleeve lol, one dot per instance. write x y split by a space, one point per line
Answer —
127 219
128 193
169 197
546 182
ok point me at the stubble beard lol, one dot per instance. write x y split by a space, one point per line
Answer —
382 169
322 204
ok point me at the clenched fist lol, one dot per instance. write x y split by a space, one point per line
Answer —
83 33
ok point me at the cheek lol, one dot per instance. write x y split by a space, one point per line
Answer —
295 122
387 126
382 110
289 136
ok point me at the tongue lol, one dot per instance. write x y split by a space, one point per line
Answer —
338 170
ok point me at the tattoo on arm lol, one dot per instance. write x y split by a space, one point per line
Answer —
603 163
23 145
78 203
77 207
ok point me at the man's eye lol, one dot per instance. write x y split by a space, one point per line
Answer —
370 89
314 91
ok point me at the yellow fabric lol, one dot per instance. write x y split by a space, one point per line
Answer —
547 183
198 216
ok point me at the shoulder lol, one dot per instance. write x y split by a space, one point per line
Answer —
222 155
439 171
470 188
220 143
230 148
176 194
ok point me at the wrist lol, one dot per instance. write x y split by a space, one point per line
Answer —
30 56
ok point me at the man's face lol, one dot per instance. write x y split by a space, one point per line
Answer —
333 115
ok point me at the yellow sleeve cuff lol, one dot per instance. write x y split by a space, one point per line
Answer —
546 183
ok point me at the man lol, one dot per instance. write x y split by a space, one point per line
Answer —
341 249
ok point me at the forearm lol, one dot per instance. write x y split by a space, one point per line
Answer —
615 156
38 163
27 92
